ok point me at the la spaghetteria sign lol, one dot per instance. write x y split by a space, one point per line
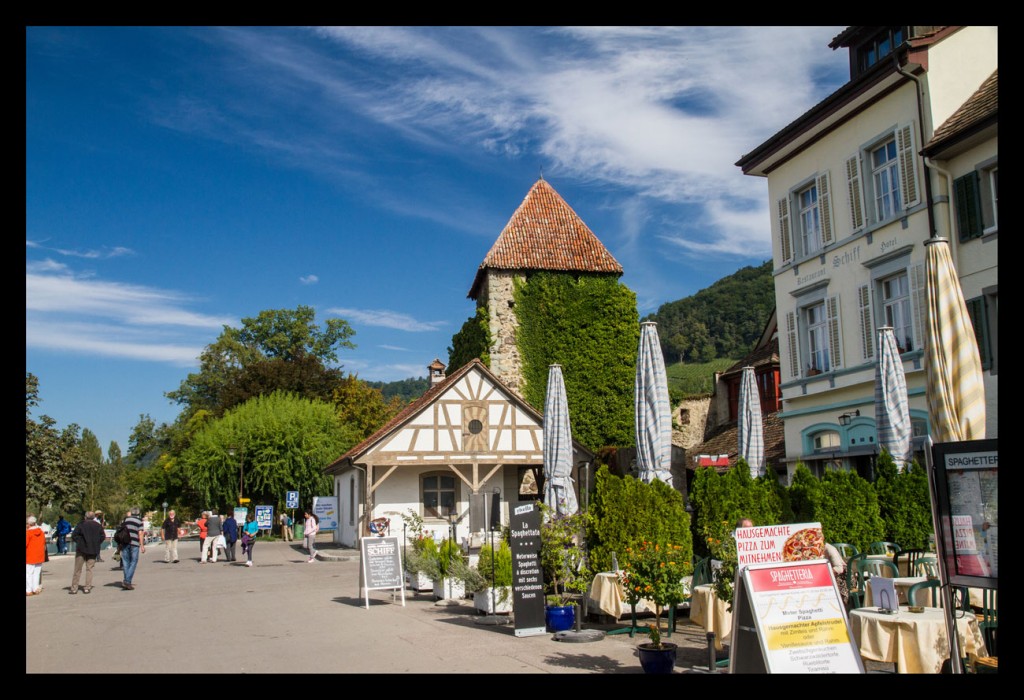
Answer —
527 574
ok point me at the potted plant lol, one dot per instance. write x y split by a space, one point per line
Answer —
495 569
447 570
417 554
654 571
657 656
564 563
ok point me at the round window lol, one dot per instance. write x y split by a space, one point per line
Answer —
475 426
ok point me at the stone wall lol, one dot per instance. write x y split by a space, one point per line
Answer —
690 422
506 362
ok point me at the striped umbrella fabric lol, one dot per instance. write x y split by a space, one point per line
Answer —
751 430
892 409
653 414
558 489
955 386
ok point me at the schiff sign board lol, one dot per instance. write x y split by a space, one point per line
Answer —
381 562
799 620
264 517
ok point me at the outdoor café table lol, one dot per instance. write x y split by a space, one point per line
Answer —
606 596
915 642
711 613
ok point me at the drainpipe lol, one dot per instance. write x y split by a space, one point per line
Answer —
949 206
920 129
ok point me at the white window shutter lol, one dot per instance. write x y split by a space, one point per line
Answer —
908 165
919 303
785 240
835 343
792 345
825 208
867 331
856 194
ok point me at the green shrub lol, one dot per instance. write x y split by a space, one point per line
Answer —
626 511
496 568
904 502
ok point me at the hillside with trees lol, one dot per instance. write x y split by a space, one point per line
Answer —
721 321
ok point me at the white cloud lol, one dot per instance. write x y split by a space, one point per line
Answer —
387 319
115 252
77 315
309 279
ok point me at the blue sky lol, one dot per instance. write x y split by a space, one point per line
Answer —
180 179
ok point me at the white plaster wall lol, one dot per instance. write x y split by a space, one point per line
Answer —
957 66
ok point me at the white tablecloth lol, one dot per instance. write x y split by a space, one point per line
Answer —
915 642
709 612
606 596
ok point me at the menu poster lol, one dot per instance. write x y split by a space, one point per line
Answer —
883 592
779 543
966 483
381 562
800 618
527 574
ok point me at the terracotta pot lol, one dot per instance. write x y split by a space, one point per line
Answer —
655 660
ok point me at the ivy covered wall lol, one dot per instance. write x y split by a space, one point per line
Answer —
588 324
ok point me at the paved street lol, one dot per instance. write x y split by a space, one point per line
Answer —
286 616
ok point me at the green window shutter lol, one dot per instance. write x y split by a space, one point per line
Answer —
856 195
967 192
908 165
979 319
825 208
785 240
835 344
867 340
792 345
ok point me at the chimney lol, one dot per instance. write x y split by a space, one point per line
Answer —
436 369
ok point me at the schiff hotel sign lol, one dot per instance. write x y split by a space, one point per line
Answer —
850 256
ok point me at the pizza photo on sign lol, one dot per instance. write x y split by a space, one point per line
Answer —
804 544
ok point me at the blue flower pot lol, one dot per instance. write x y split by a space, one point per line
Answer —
559 617
657 660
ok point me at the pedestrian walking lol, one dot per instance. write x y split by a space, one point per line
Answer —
169 533
130 553
88 537
120 549
212 535
35 555
201 524
230 529
309 530
286 527
249 532
60 533
99 518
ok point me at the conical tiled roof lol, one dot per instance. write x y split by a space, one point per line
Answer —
545 233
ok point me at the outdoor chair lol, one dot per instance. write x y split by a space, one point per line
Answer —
933 584
846 550
910 556
988 619
855 582
883 548
926 566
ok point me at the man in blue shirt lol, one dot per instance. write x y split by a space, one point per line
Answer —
230 529
62 531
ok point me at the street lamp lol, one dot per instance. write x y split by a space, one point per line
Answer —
847 418
165 510
241 462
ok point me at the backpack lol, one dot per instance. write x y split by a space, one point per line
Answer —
122 536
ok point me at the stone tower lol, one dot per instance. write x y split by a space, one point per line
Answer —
544 233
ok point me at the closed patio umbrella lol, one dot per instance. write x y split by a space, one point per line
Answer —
955 387
653 415
750 428
892 410
558 489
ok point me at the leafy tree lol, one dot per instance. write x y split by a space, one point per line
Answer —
405 390
904 502
55 466
472 341
289 335
305 375
286 441
363 408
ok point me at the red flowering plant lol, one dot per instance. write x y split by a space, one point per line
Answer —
654 571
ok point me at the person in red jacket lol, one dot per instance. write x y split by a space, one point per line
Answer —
201 524
35 555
